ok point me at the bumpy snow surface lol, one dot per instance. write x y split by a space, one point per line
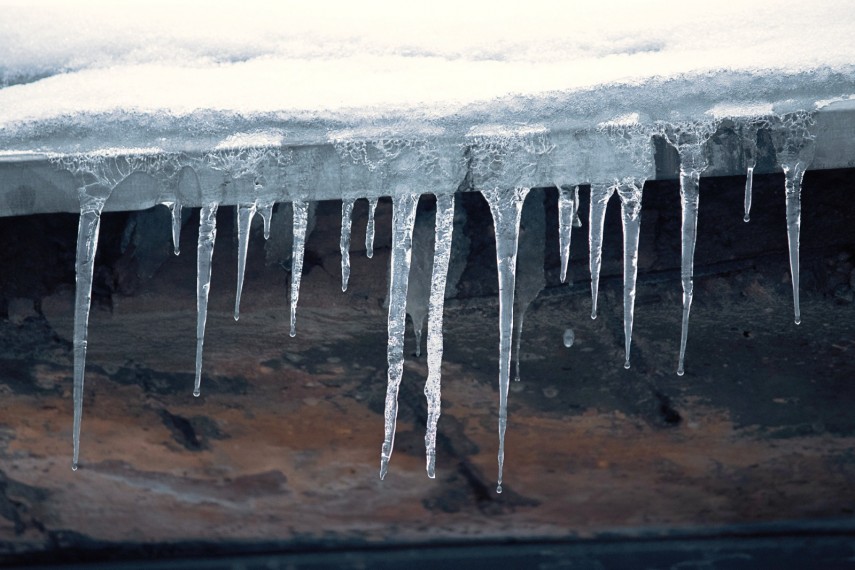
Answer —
182 76
302 101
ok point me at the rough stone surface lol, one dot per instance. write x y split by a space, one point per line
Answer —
283 445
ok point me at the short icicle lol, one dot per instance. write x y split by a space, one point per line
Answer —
301 217
369 228
175 212
600 194
441 257
630 206
566 218
205 254
266 212
403 220
749 142
506 209
245 212
92 199
344 242
749 182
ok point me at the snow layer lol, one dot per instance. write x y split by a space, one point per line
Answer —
295 70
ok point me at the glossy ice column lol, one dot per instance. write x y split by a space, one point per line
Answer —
630 207
245 214
506 208
369 228
600 194
568 202
403 219
441 256
205 254
301 216
344 241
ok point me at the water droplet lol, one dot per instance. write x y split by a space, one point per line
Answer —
569 337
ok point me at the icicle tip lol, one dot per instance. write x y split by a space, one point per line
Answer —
499 488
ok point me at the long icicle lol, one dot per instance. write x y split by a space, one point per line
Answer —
403 220
600 194
92 200
369 228
344 241
439 274
630 206
566 218
205 254
749 183
175 212
506 209
246 212
301 217
690 180
794 174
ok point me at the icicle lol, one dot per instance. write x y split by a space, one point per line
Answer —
794 147
630 208
266 212
92 200
506 208
794 174
689 140
749 142
567 217
439 273
301 215
403 220
749 182
245 214
369 229
531 277
175 211
205 254
600 194
344 242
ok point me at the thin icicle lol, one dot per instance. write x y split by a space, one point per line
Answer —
175 212
92 201
689 140
567 217
531 277
506 208
403 220
794 174
794 146
749 182
205 254
441 257
630 208
245 212
301 216
266 212
600 194
369 229
344 242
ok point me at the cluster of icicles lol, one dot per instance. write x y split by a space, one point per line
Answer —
498 165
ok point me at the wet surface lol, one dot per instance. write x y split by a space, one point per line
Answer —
283 445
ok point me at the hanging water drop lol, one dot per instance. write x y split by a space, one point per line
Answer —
568 338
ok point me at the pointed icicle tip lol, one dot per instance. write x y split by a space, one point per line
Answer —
74 466
237 315
798 320
680 371
746 218
626 364
499 488
594 314
197 393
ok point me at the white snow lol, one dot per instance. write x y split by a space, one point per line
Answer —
64 63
